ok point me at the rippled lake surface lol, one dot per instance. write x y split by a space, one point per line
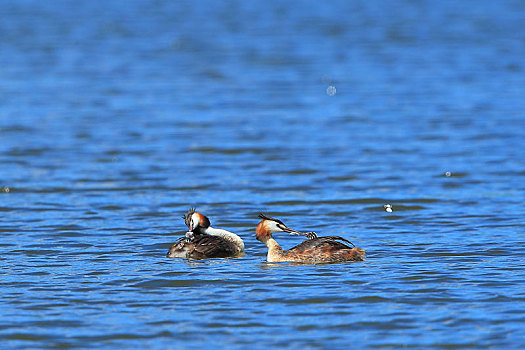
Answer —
116 117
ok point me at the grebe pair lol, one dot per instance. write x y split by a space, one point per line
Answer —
204 241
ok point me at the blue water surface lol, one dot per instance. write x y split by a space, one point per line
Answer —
117 116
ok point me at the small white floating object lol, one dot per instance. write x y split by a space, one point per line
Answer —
331 90
388 208
448 173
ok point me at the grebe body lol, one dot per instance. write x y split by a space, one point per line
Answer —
203 241
328 249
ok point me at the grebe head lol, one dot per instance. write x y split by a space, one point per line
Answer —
269 225
195 220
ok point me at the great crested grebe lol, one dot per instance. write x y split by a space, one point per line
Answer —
203 241
326 249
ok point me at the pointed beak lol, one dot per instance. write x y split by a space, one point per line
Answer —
291 230
309 234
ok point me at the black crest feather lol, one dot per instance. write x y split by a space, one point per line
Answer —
266 217
188 215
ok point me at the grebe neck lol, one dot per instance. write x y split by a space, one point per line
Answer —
275 251
231 237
